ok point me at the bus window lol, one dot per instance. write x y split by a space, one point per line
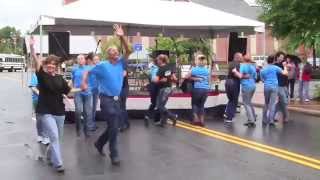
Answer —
0 59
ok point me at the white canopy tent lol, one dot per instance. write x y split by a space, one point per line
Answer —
148 17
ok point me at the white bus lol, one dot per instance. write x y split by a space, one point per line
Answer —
11 62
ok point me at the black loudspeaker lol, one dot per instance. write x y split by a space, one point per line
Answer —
236 44
59 44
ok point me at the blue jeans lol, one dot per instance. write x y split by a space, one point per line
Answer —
304 90
232 90
83 106
153 91
247 103
270 98
124 123
199 97
162 100
283 102
95 98
39 126
53 126
111 111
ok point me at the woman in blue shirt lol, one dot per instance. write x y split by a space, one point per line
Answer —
248 87
200 76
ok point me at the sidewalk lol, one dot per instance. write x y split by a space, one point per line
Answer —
309 108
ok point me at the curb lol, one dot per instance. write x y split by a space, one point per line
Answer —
295 109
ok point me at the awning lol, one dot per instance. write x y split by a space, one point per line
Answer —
149 17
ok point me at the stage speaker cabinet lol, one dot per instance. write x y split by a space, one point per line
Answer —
59 44
236 44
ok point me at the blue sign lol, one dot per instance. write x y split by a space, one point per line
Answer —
137 47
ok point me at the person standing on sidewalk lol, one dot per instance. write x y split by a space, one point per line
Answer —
82 100
110 78
165 77
292 75
92 61
305 71
153 91
248 87
232 87
124 123
269 77
283 94
200 75
50 107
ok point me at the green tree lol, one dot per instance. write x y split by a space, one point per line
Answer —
183 48
10 40
296 20
110 42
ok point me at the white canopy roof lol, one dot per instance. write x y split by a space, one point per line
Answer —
149 17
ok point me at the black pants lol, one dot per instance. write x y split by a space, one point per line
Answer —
153 91
232 90
291 87
124 123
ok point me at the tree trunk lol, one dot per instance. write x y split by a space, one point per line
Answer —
314 57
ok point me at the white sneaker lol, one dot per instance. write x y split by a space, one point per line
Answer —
307 100
45 141
39 139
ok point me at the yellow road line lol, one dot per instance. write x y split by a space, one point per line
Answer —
255 143
294 157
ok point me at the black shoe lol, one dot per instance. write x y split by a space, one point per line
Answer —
99 149
146 120
264 124
250 124
272 124
115 161
78 133
174 120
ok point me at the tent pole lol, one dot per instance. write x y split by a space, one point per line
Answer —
264 43
41 40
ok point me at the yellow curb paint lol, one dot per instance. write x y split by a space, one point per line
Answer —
297 158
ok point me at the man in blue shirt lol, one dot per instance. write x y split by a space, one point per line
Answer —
92 61
82 100
153 91
270 79
124 123
110 78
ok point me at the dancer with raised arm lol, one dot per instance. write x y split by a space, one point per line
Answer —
109 75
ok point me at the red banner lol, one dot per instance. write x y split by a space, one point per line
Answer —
65 2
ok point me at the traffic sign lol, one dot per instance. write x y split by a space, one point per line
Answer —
137 47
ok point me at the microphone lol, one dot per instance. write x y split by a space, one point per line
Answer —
98 43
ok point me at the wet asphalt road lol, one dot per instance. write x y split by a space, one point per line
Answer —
154 153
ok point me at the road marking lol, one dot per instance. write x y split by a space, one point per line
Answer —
294 157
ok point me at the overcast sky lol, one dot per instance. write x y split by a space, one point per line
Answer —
24 13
